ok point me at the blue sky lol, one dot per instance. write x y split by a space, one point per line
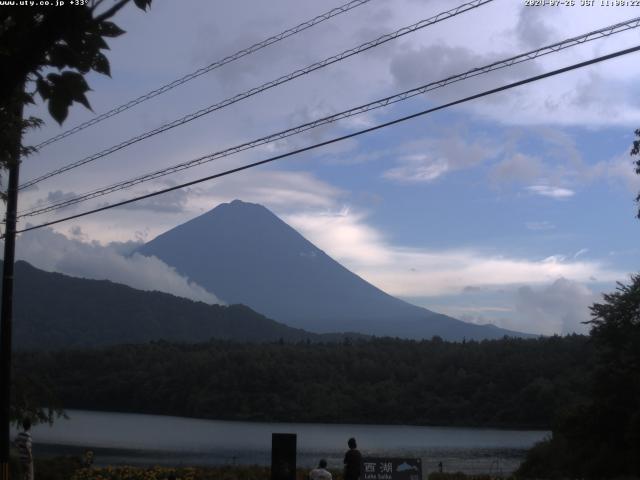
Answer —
516 209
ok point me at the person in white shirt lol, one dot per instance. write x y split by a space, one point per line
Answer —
23 442
320 473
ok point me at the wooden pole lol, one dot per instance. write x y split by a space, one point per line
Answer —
6 312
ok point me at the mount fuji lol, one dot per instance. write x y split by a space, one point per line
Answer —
245 254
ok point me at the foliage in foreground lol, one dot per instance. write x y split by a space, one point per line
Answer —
47 51
58 468
38 39
184 473
221 473
70 468
600 438
462 476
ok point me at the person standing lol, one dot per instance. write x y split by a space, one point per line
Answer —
24 443
320 473
87 460
352 461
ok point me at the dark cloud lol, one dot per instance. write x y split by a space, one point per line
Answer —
532 31
56 196
415 67
170 202
471 289
561 307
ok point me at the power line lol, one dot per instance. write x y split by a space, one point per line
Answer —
344 137
600 33
266 86
190 76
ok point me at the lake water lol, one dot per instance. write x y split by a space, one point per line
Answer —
118 438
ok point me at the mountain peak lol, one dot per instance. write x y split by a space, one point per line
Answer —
239 204
239 209
243 253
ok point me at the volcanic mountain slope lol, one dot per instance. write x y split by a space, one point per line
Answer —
245 254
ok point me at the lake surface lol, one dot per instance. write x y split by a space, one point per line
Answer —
120 438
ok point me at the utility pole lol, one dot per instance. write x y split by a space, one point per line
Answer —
6 313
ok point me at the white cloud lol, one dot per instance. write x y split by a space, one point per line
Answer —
552 192
418 168
564 164
557 307
275 189
427 159
540 226
411 272
517 168
344 236
470 310
582 251
280 190
51 251
619 169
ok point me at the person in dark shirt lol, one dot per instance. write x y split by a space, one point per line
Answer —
352 461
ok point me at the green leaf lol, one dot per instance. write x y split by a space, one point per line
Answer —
142 4
27 99
110 29
59 108
65 89
61 56
82 98
101 64
44 88
32 122
97 42
26 151
75 86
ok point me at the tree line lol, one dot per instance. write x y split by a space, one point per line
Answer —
521 383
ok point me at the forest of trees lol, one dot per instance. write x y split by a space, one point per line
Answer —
503 383
55 311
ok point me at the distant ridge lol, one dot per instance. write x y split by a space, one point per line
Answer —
53 311
244 253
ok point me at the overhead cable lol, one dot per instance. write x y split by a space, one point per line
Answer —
201 71
531 55
266 86
339 139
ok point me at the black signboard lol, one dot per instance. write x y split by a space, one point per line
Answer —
283 456
381 468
